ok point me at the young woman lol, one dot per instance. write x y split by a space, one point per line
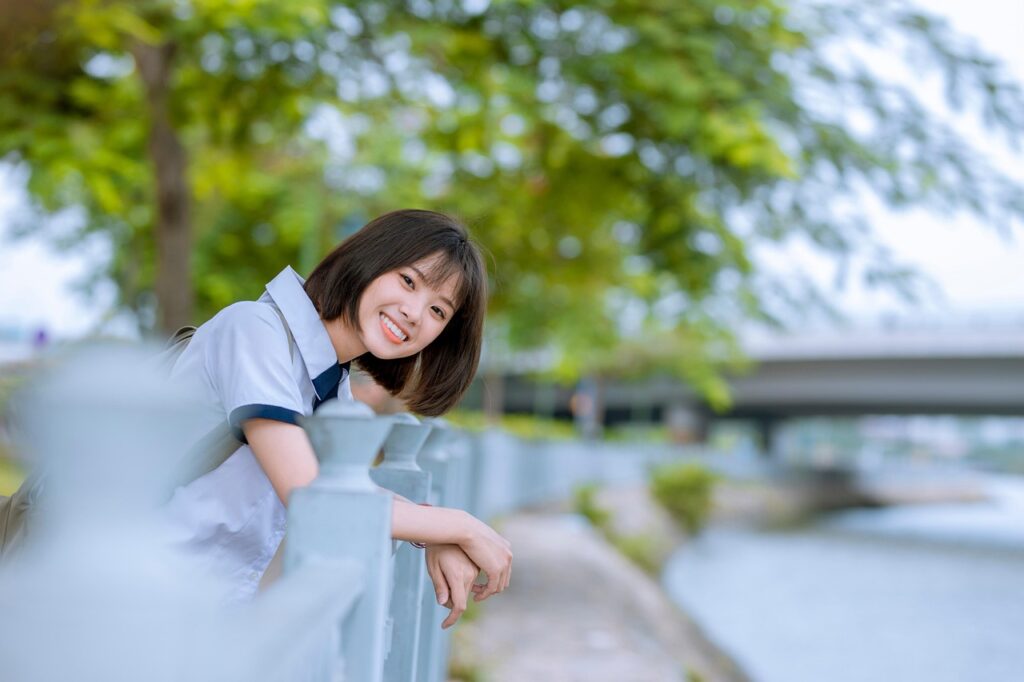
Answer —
404 298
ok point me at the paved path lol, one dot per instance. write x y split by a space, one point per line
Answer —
577 611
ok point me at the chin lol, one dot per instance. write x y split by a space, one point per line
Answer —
388 351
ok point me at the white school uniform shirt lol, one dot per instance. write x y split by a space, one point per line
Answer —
240 365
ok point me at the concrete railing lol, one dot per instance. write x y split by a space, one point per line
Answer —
94 595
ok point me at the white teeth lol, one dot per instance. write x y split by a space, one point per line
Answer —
393 327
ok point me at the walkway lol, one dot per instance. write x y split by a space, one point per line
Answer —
577 611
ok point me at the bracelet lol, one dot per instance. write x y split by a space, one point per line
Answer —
421 545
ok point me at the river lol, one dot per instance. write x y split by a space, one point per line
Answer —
911 594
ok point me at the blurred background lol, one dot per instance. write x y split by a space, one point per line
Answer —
782 236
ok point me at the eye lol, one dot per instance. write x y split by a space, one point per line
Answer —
439 312
408 281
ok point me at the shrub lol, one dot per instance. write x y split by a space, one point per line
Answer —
529 427
585 504
642 550
685 490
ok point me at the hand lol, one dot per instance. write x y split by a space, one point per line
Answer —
445 526
452 573
491 552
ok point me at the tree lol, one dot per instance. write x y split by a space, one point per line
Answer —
618 158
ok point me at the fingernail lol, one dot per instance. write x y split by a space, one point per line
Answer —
442 599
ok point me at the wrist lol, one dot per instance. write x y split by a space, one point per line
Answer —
462 526
420 545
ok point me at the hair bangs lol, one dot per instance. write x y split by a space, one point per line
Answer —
456 263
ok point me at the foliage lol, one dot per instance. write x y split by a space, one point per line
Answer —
11 473
694 676
9 381
685 490
632 432
465 671
525 426
463 662
585 504
642 549
620 159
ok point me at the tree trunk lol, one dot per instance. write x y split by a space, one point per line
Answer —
173 226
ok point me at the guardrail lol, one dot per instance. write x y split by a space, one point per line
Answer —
94 595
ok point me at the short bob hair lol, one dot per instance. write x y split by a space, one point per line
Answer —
432 381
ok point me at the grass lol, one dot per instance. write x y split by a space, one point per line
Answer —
11 474
523 425
462 662
641 549
465 671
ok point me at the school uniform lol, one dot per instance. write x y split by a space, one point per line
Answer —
250 361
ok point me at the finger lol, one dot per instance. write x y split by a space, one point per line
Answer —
441 590
479 591
486 590
458 608
489 588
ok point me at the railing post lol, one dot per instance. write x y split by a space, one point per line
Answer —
95 593
400 473
435 458
342 514
496 457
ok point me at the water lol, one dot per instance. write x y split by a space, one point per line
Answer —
929 594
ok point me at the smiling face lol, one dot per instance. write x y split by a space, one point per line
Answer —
400 313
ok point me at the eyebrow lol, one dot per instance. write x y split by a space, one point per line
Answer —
423 278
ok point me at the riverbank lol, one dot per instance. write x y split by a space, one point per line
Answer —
577 610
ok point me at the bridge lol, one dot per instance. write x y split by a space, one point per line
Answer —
959 372
894 373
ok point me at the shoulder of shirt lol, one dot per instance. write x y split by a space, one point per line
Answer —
247 314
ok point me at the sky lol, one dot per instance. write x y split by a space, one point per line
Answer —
979 272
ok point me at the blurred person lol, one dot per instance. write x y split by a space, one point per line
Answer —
404 299
40 340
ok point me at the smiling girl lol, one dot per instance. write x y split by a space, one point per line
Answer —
404 298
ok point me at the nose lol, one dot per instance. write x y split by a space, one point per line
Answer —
412 310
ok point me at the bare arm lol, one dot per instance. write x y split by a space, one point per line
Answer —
286 456
284 453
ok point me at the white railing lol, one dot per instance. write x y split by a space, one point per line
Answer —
92 594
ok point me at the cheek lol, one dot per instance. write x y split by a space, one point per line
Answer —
435 330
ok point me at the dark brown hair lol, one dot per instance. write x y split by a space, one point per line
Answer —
432 381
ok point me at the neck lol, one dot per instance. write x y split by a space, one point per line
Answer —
346 342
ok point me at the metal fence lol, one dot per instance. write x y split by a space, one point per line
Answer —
94 596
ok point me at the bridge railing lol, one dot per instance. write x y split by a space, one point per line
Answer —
351 604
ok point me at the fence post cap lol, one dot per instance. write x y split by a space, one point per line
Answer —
408 434
346 435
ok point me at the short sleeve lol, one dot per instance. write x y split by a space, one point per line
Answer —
250 365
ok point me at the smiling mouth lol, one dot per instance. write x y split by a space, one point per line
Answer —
392 330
